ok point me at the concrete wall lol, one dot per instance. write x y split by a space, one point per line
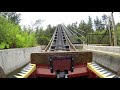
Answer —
108 56
111 62
115 49
12 59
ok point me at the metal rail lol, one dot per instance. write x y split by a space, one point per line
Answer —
75 33
60 41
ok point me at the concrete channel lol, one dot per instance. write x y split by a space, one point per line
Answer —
13 60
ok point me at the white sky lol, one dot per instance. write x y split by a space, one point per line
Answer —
54 18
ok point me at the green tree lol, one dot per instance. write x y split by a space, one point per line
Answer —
49 31
11 35
43 40
117 25
8 32
13 16
118 33
37 24
83 26
26 40
89 24
98 24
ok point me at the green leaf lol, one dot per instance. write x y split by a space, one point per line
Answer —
2 45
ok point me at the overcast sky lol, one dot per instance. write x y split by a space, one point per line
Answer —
54 18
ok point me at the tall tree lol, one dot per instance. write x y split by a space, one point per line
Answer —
50 31
13 16
37 24
98 24
74 25
83 26
89 24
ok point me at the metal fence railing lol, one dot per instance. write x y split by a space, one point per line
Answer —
97 39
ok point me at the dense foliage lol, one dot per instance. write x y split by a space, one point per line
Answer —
12 36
